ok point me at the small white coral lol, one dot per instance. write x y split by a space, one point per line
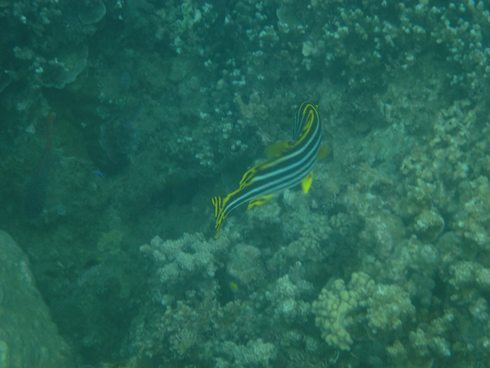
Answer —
335 308
189 256
340 309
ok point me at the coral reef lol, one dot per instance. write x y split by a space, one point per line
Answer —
341 309
333 309
160 106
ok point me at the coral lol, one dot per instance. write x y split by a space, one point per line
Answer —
432 338
266 215
64 69
191 299
336 309
180 260
435 179
383 32
388 307
401 205
342 310
473 220
245 265
183 313
383 231
409 254
432 179
285 299
429 224
256 353
465 274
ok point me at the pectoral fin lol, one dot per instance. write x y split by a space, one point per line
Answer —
277 149
259 201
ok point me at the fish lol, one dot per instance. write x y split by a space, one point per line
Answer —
289 164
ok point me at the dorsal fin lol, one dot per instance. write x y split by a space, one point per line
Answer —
277 149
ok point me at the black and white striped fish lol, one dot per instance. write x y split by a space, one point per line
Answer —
290 166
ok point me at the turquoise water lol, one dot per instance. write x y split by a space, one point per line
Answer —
156 107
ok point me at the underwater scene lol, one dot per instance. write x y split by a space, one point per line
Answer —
244 184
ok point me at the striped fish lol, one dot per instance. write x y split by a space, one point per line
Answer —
290 165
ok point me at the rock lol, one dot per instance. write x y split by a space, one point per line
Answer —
28 336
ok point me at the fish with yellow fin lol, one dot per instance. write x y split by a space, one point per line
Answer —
289 164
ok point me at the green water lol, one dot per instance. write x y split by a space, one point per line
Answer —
161 106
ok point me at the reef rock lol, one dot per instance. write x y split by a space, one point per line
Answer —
28 336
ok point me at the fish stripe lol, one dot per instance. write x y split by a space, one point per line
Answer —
293 174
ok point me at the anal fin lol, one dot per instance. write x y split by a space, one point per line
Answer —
306 183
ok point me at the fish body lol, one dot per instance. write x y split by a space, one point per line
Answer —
290 164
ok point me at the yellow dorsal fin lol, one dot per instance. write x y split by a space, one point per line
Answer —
277 149
323 151
259 201
306 183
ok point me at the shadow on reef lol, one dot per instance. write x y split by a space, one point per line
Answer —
109 132
94 305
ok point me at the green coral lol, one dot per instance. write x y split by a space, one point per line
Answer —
433 338
464 274
473 221
341 309
388 307
336 309
429 224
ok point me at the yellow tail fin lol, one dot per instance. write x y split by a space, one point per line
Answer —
218 214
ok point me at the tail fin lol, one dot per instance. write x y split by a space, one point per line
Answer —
218 216
217 204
